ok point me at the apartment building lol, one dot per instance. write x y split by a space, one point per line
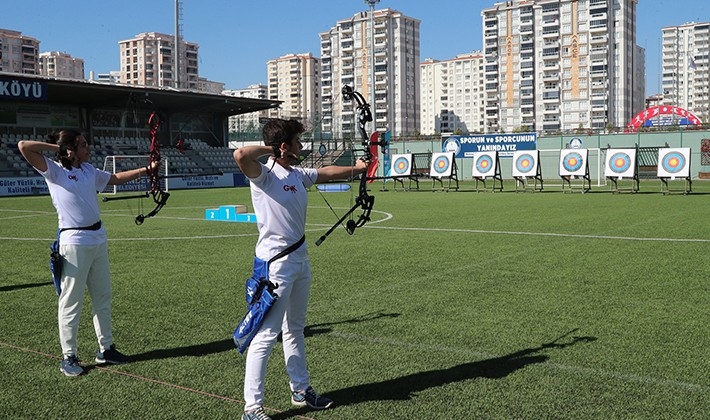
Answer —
61 65
249 122
151 59
453 95
554 65
686 69
18 53
295 80
209 86
346 54
110 77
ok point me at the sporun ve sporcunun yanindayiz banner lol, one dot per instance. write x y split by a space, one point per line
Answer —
504 144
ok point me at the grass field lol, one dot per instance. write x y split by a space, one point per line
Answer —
447 305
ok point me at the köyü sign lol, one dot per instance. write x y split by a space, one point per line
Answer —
20 88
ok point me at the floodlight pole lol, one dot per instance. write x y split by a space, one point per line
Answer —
372 4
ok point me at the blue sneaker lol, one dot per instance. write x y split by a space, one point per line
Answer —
310 398
112 356
256 414
70 366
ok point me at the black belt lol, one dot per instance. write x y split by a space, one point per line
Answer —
289 249
95 226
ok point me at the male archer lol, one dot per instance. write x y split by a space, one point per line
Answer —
280 199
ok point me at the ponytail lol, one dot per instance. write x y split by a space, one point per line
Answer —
67 140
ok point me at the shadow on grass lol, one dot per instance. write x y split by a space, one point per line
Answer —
228 344
12 287
325 328
406 387
194 350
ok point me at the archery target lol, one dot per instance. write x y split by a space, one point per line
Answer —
620 163
573 162
525 163
674 162
401 165
484 164
441 164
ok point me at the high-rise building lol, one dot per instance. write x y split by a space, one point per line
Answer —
686 70
249 122
295 80
150 59
346 51
18 53
555 65
61 65
452 95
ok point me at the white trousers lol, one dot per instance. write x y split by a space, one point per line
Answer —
287 316
85 266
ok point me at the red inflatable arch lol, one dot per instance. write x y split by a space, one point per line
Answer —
649 114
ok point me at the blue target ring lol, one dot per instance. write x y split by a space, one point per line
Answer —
673 162
573 161
441 164
484 164
401 166
620 162
524 163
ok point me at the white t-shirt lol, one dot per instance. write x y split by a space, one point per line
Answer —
73 194
280 200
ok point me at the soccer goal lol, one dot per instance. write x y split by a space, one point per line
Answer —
120 163
550 163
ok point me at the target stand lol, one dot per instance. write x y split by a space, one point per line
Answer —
443 167
404 167
674 170
622 164
526 168
666 189
574 166
616 188
487 165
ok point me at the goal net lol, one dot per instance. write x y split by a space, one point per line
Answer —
120 163
550 164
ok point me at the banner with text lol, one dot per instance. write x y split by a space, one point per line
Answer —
504 144
36 185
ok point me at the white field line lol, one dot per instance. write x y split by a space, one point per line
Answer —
320 227
549 234
583 371
370 225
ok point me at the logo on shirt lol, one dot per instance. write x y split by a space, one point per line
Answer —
291 188
73 178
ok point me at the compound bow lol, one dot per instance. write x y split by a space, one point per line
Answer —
160 197
363 200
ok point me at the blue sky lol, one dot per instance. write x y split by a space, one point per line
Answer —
237 37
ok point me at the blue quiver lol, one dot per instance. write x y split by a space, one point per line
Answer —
260 298
55 265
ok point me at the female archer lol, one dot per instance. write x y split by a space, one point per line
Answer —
73 184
